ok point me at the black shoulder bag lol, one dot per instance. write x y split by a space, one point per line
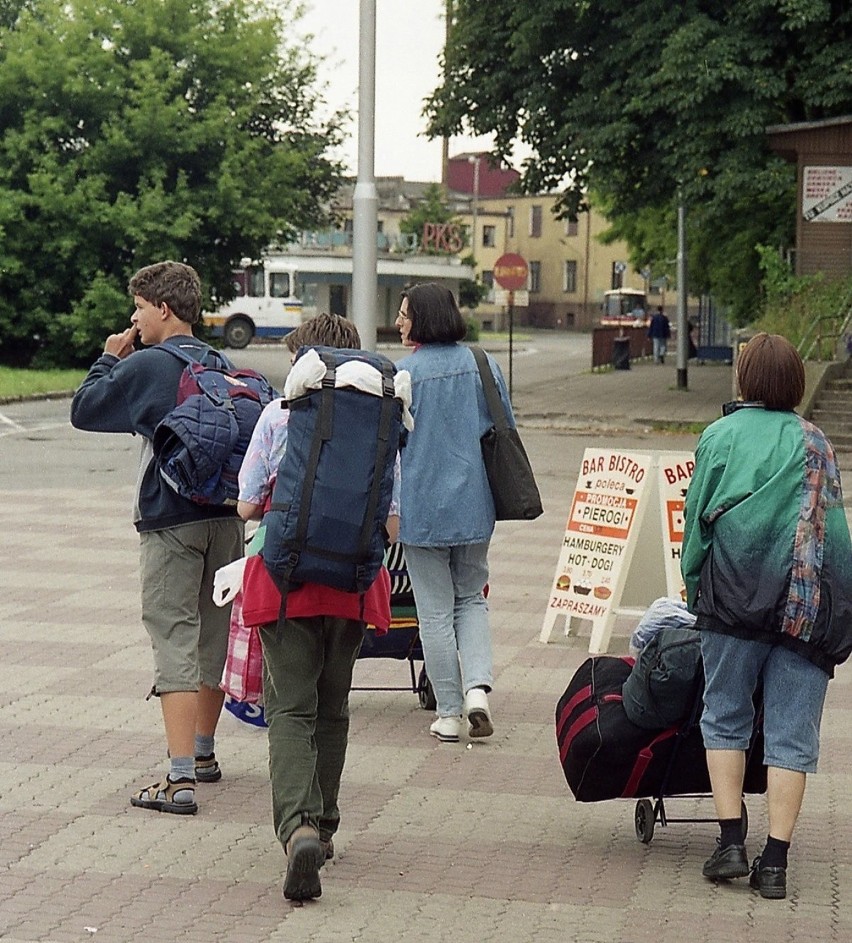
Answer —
510 474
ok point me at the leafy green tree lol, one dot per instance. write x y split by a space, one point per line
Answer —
137 131
650 102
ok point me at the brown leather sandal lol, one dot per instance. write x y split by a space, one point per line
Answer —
161 797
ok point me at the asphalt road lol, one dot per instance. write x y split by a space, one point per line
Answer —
39 447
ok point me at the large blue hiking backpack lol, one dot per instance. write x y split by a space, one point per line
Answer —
200 445
332 494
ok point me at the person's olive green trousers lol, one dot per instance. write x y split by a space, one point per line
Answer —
307 675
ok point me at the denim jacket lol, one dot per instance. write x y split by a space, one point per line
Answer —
445 500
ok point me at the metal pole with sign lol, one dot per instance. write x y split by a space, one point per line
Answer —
511 331
510 273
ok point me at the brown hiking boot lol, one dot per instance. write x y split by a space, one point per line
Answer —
304 859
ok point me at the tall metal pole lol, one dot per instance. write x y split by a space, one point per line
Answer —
445 141
511 332
475 161
365 201
682 320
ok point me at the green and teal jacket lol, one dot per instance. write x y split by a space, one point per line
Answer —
766 551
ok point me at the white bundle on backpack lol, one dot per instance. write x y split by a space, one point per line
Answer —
308 371
665 612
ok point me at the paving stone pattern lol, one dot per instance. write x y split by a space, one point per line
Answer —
440 842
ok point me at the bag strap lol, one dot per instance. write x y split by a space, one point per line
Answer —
322 432
183 355
489 387
382 449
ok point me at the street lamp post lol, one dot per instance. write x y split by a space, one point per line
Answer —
365 201
475 160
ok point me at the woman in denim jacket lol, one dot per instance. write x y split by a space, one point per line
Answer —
447 512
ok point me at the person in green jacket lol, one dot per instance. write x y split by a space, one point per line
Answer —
767 564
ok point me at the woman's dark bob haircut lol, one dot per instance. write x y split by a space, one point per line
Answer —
434 315
770 371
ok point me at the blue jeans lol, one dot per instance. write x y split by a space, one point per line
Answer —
793 696
660 345
448 584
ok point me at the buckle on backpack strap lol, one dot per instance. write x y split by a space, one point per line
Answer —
293 559
330 370
361 575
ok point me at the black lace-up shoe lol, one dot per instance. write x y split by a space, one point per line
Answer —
771 882
728 862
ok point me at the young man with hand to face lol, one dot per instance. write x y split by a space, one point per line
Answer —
182 543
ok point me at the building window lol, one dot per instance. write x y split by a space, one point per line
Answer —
569 276
535 221
571 227
617 278
489 236
510 222
488 280
535 276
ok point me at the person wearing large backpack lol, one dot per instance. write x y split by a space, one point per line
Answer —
309 654
447 509
182 542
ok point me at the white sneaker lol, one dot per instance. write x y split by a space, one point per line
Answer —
446 729
478 714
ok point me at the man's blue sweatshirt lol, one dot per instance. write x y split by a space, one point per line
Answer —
133 395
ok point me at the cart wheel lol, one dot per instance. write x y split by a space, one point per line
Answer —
744 818
644 820
425 694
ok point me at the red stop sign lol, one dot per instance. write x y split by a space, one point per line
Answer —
510 271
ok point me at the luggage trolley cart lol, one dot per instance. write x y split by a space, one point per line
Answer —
605 756
402 640
651 812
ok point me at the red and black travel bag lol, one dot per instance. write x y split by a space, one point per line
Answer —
606 756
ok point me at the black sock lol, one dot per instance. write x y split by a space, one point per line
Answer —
775 853
731 832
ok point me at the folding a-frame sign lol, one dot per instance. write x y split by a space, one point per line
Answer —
607 517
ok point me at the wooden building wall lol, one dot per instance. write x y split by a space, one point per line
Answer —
821 246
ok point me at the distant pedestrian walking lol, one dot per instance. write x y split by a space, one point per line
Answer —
659 330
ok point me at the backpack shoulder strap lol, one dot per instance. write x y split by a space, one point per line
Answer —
383 447
492 396
205 355
322 432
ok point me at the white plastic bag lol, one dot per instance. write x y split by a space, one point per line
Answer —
665 612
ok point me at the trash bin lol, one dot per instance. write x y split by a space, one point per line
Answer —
621 353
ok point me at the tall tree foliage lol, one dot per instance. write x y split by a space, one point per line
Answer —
138 130
646 100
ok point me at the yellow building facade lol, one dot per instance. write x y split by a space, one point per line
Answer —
569 268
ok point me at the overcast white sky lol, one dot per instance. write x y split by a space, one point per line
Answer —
409 39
